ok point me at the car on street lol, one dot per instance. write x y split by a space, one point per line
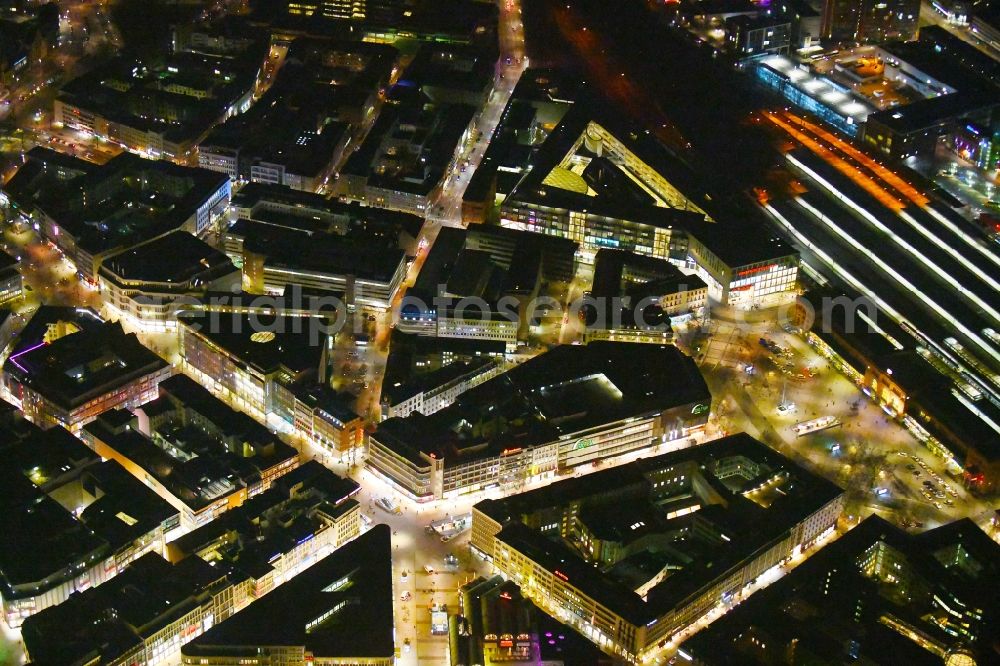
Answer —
405 596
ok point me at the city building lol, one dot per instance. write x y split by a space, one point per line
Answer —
408 153
635 298
877 595
10 279
271 537
837 104
419 374
483 283
297 133
385 21
193 450
45 325
29 32
900 98
140 618
570 406
71 380
315 214
366 273
148 284
752 37
252 360
228 35
538 102
604 185
70 521
869 21
411 355
499 625
337 612
91 212
327 418
432 391
702 525
914 130
162 110
354 10
452 73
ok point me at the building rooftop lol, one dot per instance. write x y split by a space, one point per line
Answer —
178 260
489 261
108 509
395 391
330 403
322 253
122 203
460 67
51 321
226 451
321 608
949 59
567 390
352 219
47 457
77 368
676 197
8 264
248 537
181 394
877 595
738 496
927 113
105 622
266 342
455 21
411 143
180 98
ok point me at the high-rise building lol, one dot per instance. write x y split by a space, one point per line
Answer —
870 20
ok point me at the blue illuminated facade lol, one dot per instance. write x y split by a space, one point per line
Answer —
782 84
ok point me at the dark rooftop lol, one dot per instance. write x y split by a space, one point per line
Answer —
395 392
43 466
126 201
748 524
77 368
829 609
927 113
266 342
176 258
105 622
339 607
568 389
273 522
